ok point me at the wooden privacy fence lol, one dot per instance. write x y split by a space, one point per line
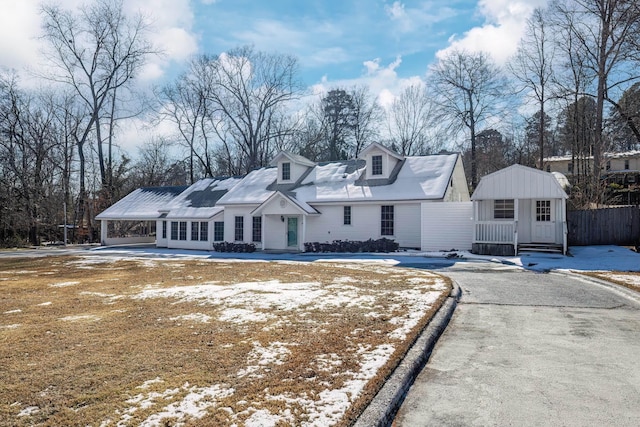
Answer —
606 226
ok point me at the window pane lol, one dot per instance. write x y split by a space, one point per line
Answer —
164 229
286 171
376 165
503 209
174 230
257 229
218 231
183 230
239 229
195 228
204 231
347 215
543 210
386 221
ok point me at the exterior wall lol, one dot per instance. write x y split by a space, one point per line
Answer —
111 241
296 171
458 191
446 226
388 163
201 245
160 242
365 223
230 213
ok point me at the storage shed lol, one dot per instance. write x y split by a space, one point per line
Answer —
519 208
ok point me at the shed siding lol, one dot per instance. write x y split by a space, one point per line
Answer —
447 226
518 182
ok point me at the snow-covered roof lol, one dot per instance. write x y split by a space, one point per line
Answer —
379 147
142 204
295 158
252 189
199 200
569 157
420 178
518 182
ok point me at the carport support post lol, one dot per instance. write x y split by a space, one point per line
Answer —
515 226
103 232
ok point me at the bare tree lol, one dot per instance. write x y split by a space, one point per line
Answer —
468 90
368 113
533 67
95 51
408 121
605 33
250 93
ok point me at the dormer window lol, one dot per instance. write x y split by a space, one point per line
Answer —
376 165
286 171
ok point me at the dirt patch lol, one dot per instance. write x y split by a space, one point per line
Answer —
630 280
91 341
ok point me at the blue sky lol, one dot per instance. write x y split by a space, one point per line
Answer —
333 39
386 45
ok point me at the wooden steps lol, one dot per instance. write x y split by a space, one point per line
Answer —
540 247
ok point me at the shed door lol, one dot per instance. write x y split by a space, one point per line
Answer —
543 224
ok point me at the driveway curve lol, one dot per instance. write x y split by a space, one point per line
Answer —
531 349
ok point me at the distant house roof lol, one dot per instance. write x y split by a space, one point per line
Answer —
519 182
142 204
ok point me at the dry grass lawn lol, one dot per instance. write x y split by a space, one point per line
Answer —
630 279
122 342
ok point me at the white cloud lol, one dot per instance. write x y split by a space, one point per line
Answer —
171 31
395 11
505 21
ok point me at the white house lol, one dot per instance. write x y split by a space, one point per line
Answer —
519 208
295 200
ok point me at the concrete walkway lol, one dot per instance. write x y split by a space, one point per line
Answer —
530 349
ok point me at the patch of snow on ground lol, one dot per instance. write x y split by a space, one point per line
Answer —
195 317
243 315
194 405
13 326
63 284
44 304
629 279
262 418
421 302
13 311
260 357
87 317
29 411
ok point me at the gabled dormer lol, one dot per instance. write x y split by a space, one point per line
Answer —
380 161
290 167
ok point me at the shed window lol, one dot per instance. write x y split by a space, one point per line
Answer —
239 229
376 165
286 171
503 209
386 221
543 210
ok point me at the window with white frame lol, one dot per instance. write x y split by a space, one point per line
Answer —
239 229
376 165
503 209
286 171
218 231
543 210
257 229
346 215
183 231
386 220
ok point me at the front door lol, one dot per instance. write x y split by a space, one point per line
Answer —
543 226
292 231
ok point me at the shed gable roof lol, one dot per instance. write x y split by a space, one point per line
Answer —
518 182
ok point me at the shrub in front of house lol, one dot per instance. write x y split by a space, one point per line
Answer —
379 245
234 247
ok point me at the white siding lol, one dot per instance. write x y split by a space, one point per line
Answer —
365 224
458 191
518 182
160 242
447 226
230 214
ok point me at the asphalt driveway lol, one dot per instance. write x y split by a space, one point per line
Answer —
531 349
